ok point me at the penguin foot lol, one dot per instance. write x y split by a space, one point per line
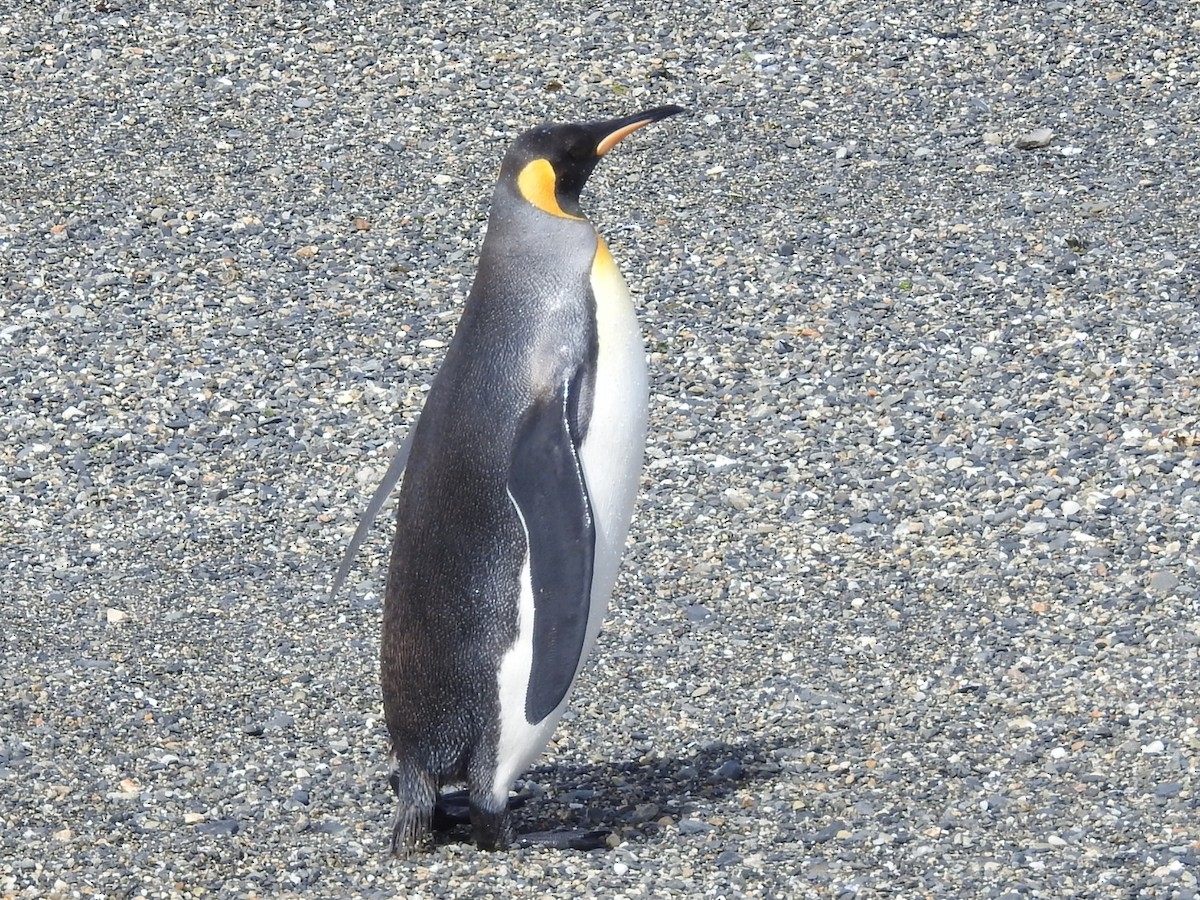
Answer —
453 809
565 840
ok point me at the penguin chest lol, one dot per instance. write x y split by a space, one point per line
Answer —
611 454
606 464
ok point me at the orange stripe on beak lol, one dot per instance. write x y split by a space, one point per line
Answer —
620 134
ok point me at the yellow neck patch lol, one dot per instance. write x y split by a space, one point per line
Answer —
603 258
536 184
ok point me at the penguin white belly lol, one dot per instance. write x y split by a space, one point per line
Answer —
612 453
611 459
520 740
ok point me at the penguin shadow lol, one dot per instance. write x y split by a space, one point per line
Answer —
634 800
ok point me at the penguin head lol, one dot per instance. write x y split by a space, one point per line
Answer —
549 165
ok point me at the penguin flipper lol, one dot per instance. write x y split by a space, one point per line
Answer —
390 479
547 487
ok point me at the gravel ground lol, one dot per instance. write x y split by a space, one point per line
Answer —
911 606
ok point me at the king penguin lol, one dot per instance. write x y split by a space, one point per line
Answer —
521 476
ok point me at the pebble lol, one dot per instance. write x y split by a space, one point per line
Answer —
1164 582
730 769
1033 140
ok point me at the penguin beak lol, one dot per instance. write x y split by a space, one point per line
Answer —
614 131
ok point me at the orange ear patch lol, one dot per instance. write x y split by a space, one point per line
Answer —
536 183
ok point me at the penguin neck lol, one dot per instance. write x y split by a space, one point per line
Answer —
518 232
